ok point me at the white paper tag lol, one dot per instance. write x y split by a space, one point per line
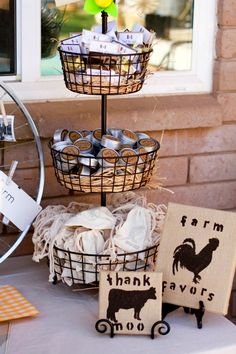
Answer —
123 49
7 132
148 37
97 72
76 39
15 204
112 35
71 48
131 38
89 36
104 47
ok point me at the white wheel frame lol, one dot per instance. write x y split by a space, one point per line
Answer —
39 191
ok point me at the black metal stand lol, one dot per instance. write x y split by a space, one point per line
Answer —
103 325
199 313
104 102
163 328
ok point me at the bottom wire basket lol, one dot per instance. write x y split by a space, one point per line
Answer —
81 268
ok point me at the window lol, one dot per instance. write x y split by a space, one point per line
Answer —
184 51
171 20
7 37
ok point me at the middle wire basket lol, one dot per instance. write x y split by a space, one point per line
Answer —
106 173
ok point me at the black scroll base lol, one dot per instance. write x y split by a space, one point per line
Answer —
105 326
199 313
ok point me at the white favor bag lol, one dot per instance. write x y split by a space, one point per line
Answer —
89 242
97 219
135 234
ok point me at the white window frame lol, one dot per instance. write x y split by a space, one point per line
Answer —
29 85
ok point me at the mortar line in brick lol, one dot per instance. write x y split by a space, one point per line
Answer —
225 60
212 153
202 183
224 27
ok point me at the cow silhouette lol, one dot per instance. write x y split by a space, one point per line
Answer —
124 299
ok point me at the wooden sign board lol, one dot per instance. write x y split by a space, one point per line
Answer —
130 300
197 257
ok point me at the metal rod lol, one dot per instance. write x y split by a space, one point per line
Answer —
104 114
104 102
104 22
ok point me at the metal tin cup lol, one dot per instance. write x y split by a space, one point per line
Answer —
114 131
141 135
128 157
70 153
59 135
110 142
97 137
84 171
68 158
84 145
72 136
59 145
128 137
125 146
143 158
85 133
149 144
108 157
88 160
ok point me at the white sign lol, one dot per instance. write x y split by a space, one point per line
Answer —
15 204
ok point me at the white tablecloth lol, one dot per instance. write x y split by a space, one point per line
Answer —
66 322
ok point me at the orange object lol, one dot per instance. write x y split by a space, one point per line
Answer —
13 305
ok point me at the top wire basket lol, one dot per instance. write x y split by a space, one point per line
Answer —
104 74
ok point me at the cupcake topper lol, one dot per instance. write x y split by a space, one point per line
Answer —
95 6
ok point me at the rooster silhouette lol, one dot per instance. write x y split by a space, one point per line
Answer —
185 256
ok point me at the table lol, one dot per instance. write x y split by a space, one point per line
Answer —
66 321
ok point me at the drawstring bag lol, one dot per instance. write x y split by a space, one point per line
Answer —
135 234
82 266
95 219
89 242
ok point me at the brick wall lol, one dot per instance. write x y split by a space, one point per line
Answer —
198 154
225 90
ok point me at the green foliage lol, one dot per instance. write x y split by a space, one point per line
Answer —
52 20
57 24
75 22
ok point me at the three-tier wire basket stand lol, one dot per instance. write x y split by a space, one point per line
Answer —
134 173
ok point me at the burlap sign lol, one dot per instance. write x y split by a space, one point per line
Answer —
197 257
130 300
